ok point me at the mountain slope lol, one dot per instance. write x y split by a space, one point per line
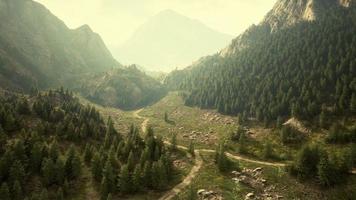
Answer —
127 88
303 69
170 40
38 48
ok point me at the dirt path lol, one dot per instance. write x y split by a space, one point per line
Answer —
198 162
187 180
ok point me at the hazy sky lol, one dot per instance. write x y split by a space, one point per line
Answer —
116 20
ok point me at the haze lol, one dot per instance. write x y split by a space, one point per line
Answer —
117 20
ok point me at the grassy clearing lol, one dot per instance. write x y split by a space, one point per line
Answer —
204 127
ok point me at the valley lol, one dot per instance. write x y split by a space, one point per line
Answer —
204 174
271 116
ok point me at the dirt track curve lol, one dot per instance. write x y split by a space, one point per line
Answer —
198 162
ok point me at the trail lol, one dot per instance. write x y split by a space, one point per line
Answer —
198 161
187 180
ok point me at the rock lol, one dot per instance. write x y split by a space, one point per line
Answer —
258 169
201 191
250 195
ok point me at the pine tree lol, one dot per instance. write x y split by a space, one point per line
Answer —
156 179
96 167
147 174
36 157
17 173
110 176
268 150
322 119
325 173
54 151
192 195
242 143
104 189
73 164
44 195
125 180
353 103
60 194
131 161
136 179
48 171
4 192
191 148
174 142
87 153
17 191
166 117
60 171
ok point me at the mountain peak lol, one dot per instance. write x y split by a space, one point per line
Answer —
289 12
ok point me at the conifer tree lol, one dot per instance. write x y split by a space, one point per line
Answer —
60 171
325 173
60 194
36 157
48 171
125 180
110 177
4 191
136 179
96 167
104 189
174 142
44 195
131 161
17 173
147 174
191 148
17 191
54 151
73 164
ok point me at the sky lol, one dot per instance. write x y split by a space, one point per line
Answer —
116 20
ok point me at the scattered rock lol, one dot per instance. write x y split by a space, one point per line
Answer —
250 196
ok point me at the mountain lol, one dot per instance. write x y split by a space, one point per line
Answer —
304 67
284 14
169 40
127 88
36 48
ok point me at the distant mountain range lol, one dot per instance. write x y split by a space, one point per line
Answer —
38 50
169 40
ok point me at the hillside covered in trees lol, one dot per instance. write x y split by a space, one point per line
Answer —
49 138
305 70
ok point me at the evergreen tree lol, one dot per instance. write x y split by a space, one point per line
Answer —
48 171
54 151
191 149
87 153
44 195
174 142
96 167
17 173
73 164
322 119
192 195
137 179
268 150
353 103
17 191
60 171
109 197
60 194
325 173
242 143
4 192
104 189
166 119
131 161
125 180
36 157
110 177
147 174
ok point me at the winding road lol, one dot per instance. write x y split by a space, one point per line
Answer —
198 161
